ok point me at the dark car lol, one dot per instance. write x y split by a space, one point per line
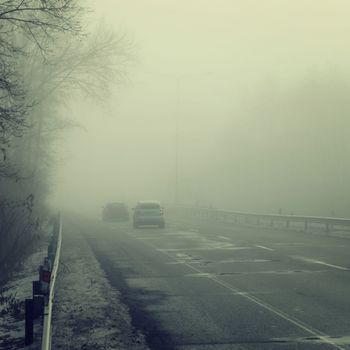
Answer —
117 211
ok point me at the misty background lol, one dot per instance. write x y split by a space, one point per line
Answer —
260 91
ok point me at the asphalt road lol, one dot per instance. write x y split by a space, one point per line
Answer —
196 286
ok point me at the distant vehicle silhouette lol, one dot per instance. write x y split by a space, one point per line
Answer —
148 213
116 211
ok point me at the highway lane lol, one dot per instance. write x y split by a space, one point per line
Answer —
200 286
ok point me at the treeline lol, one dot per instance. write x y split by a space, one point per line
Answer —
287 149
46 53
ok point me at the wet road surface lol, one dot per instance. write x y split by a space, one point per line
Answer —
195 286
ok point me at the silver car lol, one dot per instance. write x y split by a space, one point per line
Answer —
148 213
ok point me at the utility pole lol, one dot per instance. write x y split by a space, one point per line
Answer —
179 79
177 117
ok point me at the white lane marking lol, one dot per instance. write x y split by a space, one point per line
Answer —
314 261
234 261
200 248
290 244
182 233
202 274
181 255
314 332
183 262
225 238
263 247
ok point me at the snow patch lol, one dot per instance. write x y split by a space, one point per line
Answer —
88 313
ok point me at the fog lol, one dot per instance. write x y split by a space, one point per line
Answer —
256 93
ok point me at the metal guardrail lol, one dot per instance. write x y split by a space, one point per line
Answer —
47 326
39 307
259 218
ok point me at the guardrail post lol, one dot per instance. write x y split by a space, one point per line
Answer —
29 322
38 306
271 222
36 288
305 225
287 224
327 227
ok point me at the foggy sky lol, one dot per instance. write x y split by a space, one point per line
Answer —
260 89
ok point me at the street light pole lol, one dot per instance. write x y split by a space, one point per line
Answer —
177 117
179 78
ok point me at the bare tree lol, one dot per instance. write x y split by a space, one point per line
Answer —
89 65
39 19
44 55
24 23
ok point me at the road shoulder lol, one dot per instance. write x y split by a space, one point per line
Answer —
88 313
